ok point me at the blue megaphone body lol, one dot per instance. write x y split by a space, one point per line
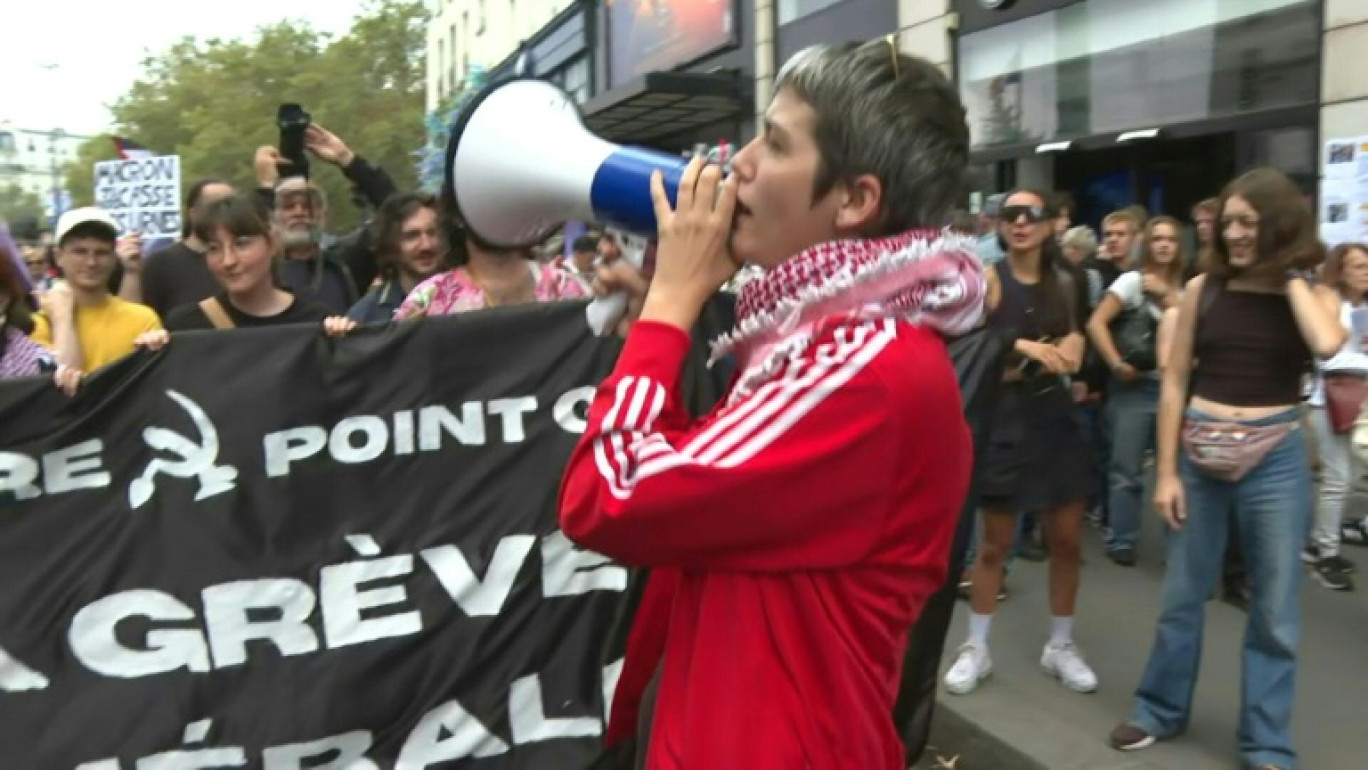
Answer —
521 163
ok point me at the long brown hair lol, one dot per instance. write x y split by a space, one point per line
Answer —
1174 269
16 310
1288 238
1332 273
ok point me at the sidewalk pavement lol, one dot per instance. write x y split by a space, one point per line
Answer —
1020 719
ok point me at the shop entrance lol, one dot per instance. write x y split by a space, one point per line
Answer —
1166 176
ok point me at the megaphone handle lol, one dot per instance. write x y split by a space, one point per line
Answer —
604 312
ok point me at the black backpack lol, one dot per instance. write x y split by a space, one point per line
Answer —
1136 336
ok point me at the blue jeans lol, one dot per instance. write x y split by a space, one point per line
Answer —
1272 505
1098 431
1131 407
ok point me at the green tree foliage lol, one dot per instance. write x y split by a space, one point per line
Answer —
80 172
213 102
18 204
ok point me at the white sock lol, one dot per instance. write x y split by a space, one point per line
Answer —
1061 630
978 629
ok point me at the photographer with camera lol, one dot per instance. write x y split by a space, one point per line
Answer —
332 272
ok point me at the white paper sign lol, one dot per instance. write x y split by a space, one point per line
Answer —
143 195
1344 191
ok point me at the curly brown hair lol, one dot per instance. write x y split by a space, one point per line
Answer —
1332 274
388 224
1288 237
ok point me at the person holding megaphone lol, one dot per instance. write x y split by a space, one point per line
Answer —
798 529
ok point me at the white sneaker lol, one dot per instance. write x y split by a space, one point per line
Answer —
1065 663
972 665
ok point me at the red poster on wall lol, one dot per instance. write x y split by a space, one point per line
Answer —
653 35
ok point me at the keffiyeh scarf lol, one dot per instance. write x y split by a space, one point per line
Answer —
926 277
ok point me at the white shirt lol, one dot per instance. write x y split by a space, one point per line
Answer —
1130 289
1349 358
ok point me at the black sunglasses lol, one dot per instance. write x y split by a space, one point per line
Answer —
1033 214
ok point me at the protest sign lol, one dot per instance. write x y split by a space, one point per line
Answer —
142 194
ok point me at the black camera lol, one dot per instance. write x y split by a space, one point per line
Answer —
292 121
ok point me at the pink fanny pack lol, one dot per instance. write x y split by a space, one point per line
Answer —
1229 450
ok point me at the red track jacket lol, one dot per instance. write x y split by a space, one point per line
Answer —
806 525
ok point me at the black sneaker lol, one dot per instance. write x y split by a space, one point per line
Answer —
1354 532
1236 594
1124 555
1311 554
1342 564
1330 576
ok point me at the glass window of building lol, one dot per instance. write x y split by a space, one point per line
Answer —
1114 65
792 10
575 79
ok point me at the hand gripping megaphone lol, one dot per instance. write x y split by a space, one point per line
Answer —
521 163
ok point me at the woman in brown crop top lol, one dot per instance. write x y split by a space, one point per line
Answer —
1246 331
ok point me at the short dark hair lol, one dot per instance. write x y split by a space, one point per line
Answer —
192 199
388 223
1288 236
96 230
585 243
242 214
882 112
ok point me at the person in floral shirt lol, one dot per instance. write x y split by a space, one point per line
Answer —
19 355
486 277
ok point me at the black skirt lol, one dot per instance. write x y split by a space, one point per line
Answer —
1038 456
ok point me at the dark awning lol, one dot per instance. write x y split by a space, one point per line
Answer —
662 104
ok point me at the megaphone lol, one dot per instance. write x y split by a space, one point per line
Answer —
520 163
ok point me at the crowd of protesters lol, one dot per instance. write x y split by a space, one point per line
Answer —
1134 351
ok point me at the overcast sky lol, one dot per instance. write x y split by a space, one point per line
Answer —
97 46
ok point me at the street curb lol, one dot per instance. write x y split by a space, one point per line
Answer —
956 735
968 742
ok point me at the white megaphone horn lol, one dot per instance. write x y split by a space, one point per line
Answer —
521 163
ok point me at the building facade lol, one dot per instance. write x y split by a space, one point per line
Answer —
1344 92
1118 102
673 74
34 159
465 33
1157 103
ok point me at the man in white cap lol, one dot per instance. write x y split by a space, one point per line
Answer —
80 321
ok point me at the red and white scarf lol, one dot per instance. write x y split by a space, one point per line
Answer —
927 277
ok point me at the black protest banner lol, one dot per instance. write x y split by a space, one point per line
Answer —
262 548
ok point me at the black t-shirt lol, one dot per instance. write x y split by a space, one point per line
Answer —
174 276
191 318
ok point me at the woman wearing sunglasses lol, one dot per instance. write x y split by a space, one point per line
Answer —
1037 456
1229 443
